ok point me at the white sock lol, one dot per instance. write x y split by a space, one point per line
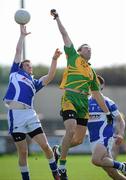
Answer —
62 167
24 169
51 160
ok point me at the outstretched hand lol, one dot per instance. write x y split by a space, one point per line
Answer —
54 13
57 54
24 31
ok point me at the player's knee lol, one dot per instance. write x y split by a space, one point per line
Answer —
70 132
96 161
23 153
77 141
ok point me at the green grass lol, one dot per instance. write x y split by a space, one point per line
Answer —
79 168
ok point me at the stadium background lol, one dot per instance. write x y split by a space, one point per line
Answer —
47 105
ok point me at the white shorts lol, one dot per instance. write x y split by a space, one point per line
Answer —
23 121
100 141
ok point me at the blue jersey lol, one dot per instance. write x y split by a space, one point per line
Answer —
97 125
22 87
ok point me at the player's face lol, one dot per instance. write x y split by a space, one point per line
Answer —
27 66
86 52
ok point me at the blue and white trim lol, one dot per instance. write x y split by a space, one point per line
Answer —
99 129
22 87
11 121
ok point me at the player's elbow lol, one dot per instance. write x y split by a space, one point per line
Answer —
48 79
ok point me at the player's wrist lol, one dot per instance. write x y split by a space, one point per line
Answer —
54 58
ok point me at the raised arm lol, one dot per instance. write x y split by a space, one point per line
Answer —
51 73
19 47
65 36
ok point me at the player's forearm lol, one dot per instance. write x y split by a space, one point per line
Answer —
52 69
61 27
100 100
19 48
50 76
120 125
64 33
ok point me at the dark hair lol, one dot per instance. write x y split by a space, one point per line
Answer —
26 60
83 45
101 79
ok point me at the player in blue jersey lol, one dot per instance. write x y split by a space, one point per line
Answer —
22 117
117 148
101 136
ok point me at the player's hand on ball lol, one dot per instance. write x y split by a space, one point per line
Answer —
24 31
22 16
57 54
54 13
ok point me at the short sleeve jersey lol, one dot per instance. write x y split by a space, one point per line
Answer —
78 74
22 86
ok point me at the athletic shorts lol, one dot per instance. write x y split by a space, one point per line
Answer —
108 143
75 102
23 121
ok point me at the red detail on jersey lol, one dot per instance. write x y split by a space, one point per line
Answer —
23 78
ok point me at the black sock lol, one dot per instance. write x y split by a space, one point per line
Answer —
25 175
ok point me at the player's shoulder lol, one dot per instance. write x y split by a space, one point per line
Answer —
111 104
107 99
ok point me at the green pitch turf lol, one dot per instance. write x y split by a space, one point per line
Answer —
79 168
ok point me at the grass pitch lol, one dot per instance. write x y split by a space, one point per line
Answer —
79 168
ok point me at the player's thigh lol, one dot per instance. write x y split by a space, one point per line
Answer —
41 139
20 141
22 147
79 133
99 152
70 125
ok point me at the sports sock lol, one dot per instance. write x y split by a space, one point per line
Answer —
62 164
52 164
24 172
118 165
